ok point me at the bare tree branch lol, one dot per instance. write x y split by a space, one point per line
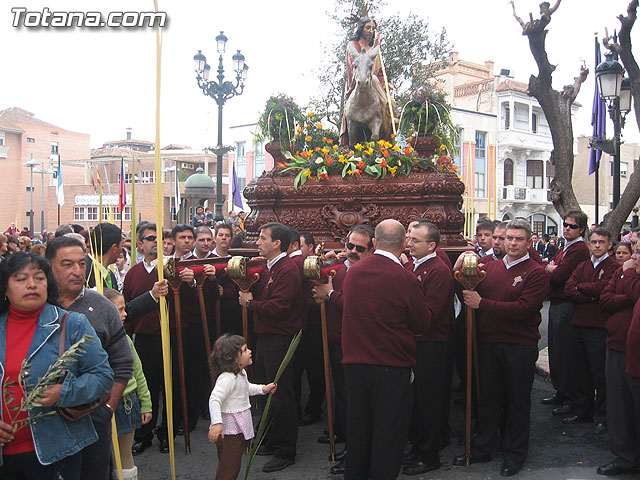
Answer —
609 44
520 21
571 91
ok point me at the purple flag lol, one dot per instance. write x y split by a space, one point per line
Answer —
598 120
237 197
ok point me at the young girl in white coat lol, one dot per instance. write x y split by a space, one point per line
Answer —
229 407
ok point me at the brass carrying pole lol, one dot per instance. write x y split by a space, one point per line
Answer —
327 380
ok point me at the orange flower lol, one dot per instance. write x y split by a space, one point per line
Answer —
323 176
308 138
407 150
361 164
358 172
383 163
316 149
304 155
280 165
329 141
385 152
329 161
319 126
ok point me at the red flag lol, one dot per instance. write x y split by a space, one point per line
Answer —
122 194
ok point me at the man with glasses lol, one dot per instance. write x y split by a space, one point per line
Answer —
588 350
508 304
359 245
560 269
429 431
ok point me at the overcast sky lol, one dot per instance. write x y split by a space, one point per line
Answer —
101 81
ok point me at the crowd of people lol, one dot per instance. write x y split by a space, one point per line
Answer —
393 312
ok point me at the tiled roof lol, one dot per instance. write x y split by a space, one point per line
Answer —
12 118
175 146
116 152
509 84
126 142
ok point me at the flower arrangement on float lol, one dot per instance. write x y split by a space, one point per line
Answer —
313 151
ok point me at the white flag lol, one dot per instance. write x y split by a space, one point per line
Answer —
60 185
177 199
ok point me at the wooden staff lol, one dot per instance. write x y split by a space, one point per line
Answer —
237 271
218 320
312 271
469 277
175 286
200 279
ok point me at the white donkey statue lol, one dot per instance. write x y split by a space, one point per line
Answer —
365 106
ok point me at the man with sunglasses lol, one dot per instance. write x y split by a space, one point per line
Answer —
560 269
359 245
432 386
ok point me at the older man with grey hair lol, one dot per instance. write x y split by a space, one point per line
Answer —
383 312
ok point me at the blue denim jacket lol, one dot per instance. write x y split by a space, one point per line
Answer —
87 379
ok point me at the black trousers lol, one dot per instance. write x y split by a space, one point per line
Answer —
587 367
623 411
149 348
283 434
196 377
26 466
339 393
96 458
378 415
309 358
506 379
429 431
560 345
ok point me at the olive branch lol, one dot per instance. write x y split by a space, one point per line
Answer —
31 399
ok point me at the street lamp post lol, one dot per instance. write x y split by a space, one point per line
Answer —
220 91
31 163
616 91
42 173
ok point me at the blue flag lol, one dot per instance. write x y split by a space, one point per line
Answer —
237 196
598 120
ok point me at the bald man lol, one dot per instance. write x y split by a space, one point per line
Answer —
384 312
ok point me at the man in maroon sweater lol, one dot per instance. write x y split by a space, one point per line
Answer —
385 309
617 300
560 268
589 332
508 303
429 431
277 303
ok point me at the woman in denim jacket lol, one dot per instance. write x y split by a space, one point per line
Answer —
47 447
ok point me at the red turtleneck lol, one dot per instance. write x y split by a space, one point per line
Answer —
20 329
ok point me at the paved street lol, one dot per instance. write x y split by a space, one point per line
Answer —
556 451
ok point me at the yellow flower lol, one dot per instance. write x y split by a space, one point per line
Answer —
341 159
310 114
326 149
324 139
396 148
393 170
308 138
358 147
381 142
335 148
369 151
307 172
299 128
351 172
319 126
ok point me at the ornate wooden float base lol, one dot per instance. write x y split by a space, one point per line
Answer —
328 209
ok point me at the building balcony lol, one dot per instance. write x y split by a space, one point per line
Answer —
511 192
4 152
524 140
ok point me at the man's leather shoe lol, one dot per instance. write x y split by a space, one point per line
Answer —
265 451
324 439
509 469
164 445
308 420
409 458
576 419
556 399
461 460
339 456
338 468
600 429
276 464
614 469
418 467
140 447
562 410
